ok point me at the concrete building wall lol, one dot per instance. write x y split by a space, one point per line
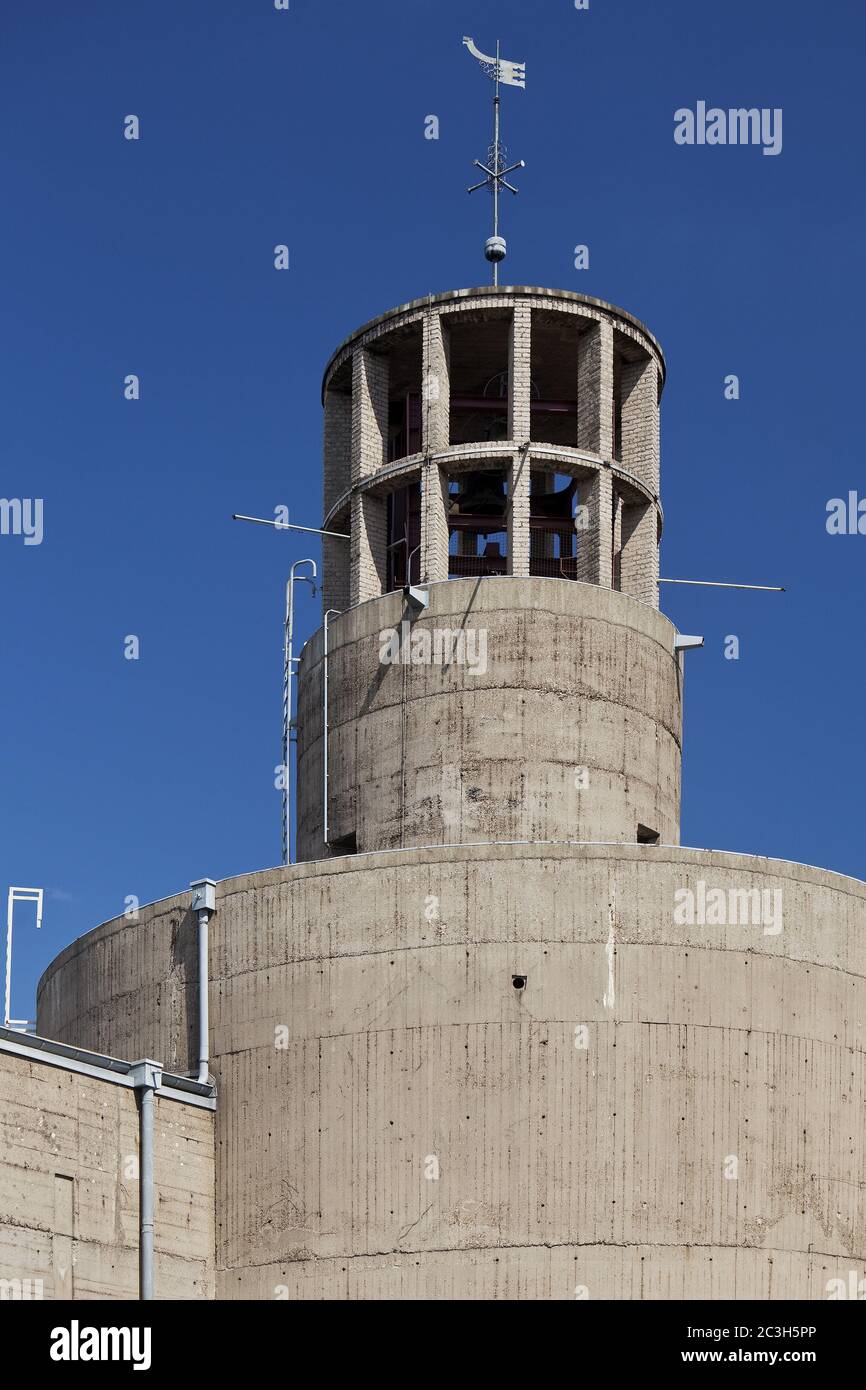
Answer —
572 729
397 1120
69 1193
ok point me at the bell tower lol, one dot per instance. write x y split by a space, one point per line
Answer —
497 1034
498 448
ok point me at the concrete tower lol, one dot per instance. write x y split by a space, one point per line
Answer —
508 433
498 1035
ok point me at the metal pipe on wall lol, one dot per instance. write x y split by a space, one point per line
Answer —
147 1077
203 1009
289 660
332 612
203 904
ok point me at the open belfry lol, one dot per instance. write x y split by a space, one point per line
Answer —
496 1034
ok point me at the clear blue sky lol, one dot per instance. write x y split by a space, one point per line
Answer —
156 258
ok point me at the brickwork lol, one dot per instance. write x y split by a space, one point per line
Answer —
337 447
357 428
616 539
594 545
368 554
519 377
369 413
434 522
518 514
480 300
519 367
368 567
639 553
595 390
435 388
640 450
335 565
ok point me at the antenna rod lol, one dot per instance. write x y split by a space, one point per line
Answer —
290 526
717 584
496 162
495 170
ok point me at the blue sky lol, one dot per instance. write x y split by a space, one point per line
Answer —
306 127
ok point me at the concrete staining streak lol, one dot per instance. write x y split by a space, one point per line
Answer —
610 951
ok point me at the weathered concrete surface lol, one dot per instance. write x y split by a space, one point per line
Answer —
366 1029
69 1194
573 677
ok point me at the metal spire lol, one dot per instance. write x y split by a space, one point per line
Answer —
495 170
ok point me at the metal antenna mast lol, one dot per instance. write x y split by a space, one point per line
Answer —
290 661
495 170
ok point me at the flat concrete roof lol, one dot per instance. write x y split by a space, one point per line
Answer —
454 296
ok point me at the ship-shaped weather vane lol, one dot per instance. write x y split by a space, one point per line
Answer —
495 170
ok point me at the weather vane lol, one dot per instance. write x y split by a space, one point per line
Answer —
495 170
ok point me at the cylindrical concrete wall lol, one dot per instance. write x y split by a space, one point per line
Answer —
669 1108
508 709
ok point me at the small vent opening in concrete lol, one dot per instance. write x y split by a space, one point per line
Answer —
518 981
645 836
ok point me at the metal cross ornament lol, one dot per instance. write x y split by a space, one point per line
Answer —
495 171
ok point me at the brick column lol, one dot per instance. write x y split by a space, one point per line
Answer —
519 427
616 541
595 390
434 523
335 567
520 348
337 475
337 446
435 385
640 421
518 514
369 413
595 543
368 573
639 566
367 564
